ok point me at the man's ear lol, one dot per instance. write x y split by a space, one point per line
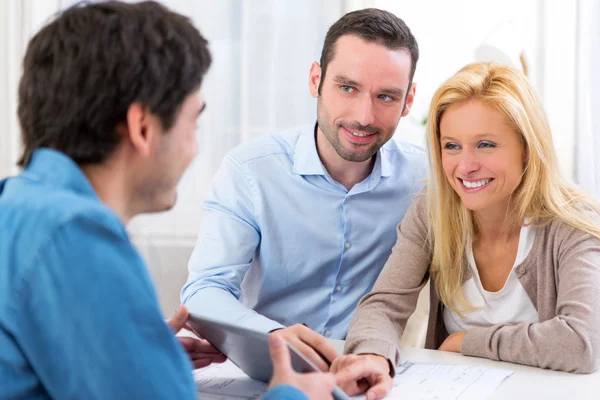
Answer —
137 128
410 98
314 79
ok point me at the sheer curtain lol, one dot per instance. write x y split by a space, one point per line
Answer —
262 51
587 104
258 83
19 19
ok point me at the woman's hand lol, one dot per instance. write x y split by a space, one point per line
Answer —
356 374
316 385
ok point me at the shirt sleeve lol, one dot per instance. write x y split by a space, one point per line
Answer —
571 340
226 245
89 321
285 392
381 316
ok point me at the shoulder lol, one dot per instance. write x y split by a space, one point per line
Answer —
268 145
419 207
408 162
52 236
416 221
408 151
561 239
39 212
64 210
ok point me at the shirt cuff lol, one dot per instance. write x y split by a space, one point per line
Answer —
285 392
379 347
474 343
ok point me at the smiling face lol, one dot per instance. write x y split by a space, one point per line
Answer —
362 97
482 156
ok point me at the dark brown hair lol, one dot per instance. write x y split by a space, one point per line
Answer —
372 25
83 70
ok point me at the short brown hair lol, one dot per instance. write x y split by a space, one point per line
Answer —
84 69
372 25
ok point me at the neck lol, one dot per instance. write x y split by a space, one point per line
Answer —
110 183
348 173
497 226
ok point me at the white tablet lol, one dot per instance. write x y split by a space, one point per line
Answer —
249 349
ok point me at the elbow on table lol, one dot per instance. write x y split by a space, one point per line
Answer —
580 360
586 363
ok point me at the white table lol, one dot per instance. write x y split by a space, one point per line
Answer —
525 383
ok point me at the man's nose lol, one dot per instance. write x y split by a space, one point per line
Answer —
365 114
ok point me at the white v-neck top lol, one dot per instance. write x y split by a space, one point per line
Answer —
510 305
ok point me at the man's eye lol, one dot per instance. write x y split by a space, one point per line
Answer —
346 89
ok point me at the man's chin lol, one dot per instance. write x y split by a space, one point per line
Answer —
163 204
169 205
354 156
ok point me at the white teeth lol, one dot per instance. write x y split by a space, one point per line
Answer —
359 134
476 184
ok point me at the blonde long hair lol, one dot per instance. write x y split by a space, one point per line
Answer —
542 195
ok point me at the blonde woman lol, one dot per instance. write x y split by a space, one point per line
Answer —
512 249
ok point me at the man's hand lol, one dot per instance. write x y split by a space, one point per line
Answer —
356 374
201 352
317 386
453 342
313 346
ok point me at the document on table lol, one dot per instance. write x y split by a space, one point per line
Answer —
445 382
412 381
227 381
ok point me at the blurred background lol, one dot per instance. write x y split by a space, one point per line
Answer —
258 83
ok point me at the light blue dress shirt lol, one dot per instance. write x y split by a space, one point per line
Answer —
283 243
79 317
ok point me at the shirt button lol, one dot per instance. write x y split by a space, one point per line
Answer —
339 288
347 245
328 333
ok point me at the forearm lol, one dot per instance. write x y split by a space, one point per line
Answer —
570 339
221 305
559 344
379 323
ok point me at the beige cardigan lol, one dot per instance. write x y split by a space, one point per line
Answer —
561 275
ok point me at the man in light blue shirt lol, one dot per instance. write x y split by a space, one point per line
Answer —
108 102
299 224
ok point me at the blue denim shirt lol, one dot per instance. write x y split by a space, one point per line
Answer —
283 243
79 317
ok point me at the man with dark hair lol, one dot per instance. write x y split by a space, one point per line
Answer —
299 224
108 102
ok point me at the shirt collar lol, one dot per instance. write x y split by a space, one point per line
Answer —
307 161
384 155
306 158
55 168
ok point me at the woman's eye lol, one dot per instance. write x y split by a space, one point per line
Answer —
451 146
486 145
